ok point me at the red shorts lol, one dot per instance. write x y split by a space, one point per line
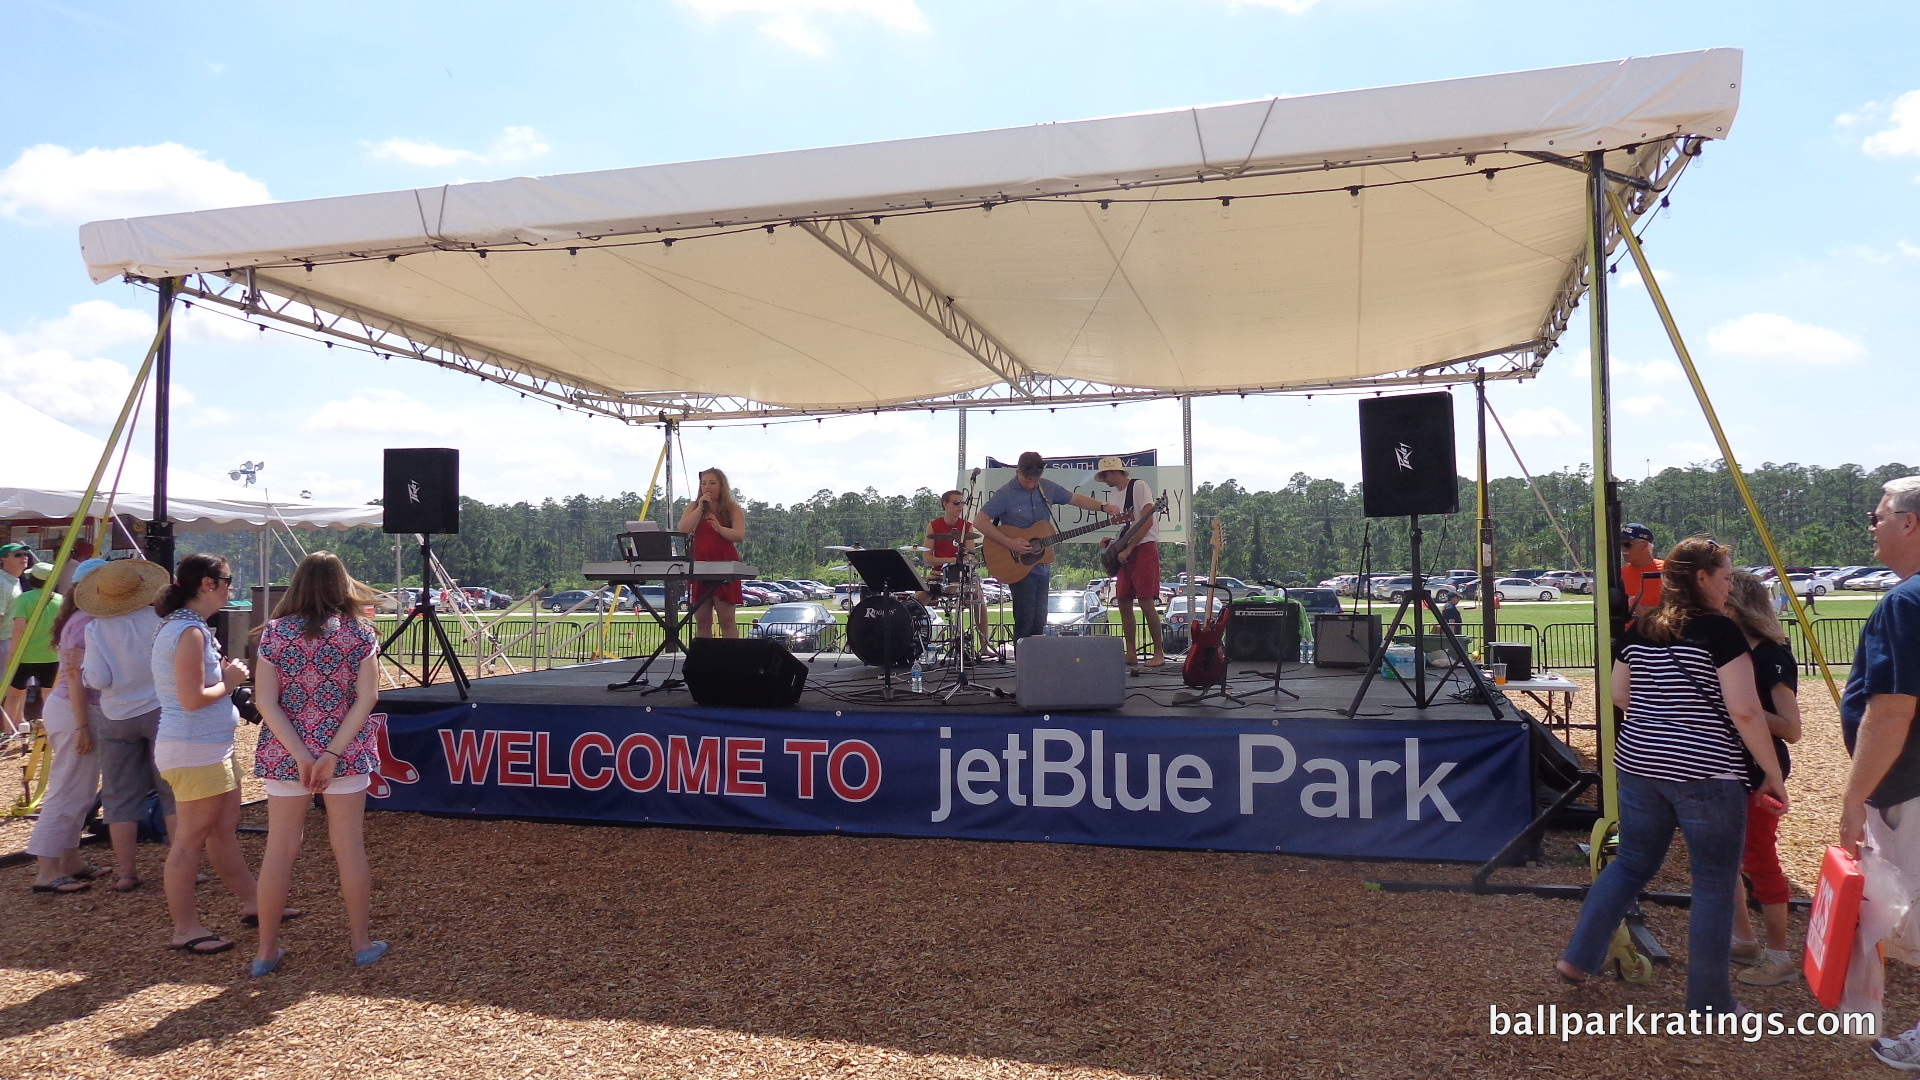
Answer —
1761 859
1140 575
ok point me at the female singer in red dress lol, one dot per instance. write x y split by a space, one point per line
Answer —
717 524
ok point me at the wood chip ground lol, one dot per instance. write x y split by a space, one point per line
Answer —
526 950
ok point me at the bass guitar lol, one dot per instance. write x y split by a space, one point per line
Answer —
1111 559
1206 663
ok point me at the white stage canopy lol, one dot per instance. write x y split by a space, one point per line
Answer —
1319 241
49 482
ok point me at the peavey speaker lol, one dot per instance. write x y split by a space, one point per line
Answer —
422 491
1264 631
1061 674
1406 455
743 673
1345 640
1517 655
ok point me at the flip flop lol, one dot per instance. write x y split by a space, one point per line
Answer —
89 872
286 916
127 883
370 954
194 948
260 969
64 886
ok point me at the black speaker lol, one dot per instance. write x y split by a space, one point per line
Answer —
1263 631
1517 655
743 673
1406 455
1345 640
422 491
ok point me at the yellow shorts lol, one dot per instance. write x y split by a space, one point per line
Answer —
203 781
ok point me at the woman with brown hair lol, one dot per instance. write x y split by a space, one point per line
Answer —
717 524
1685 683
1777 683
316 688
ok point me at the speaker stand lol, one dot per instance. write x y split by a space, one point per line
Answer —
432 633
1416 597
1279 666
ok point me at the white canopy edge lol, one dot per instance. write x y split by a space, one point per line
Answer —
1562 111
192 515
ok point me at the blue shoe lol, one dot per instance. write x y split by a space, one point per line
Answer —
371 954
263 968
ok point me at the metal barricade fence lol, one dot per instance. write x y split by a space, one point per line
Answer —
1838 639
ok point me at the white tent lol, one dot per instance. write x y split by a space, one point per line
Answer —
49 481
1296 242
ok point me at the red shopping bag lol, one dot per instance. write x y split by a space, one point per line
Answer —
1836 911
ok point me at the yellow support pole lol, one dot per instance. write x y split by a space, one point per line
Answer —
646 506
1720 436
1605 543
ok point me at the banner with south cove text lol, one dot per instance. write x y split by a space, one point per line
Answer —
1453 790
1167 482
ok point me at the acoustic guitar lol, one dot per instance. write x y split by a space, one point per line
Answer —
1206 663
1008 567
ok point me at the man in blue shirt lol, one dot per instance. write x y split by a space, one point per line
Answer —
1024 501
1882 801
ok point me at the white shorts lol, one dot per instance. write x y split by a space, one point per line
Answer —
339 785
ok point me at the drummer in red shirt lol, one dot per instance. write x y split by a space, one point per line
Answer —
944 537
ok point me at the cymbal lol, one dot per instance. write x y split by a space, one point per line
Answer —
843 547
913 547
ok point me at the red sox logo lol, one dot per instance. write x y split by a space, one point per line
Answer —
391 770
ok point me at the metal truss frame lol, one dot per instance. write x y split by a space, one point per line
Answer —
314 315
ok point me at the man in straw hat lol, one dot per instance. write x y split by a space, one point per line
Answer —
1138 582
119 664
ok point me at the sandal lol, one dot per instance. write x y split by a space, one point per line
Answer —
64 886
286 916
89 872
194 945
126 883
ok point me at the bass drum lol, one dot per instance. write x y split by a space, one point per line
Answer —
888 632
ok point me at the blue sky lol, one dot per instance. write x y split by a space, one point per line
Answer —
1792 249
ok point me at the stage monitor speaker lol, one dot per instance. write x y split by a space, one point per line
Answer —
422 491
1263 631
1345 641
1517 655
1058 674
1406 455
743 673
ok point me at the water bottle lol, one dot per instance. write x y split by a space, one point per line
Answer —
917 680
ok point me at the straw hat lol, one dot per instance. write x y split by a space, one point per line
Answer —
120 587
1107 465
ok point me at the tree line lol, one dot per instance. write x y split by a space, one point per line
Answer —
1306 531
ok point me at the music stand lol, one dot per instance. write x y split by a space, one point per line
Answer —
885 571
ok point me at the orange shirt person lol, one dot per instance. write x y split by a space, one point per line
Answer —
1641 574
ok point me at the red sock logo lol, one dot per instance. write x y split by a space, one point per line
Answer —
391 767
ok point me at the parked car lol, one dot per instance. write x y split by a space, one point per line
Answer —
1316 601
1878 581
1530 575
1074 611
1393 589
760 596
805 627
1810 584
820 589
581 599
780 593
995 591
1519 588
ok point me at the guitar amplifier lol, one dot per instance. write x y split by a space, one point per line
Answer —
1345 641
1263 630
1062 674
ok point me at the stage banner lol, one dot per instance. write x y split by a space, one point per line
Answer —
1449 790
1076 474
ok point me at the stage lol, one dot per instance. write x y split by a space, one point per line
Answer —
1448 782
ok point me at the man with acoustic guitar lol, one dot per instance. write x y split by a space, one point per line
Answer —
1026 501
1138 581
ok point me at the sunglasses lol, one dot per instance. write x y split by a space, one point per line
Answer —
1874 518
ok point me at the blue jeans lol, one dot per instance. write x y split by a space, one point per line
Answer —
1030 602
1712 815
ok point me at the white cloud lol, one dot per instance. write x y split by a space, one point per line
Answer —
1645 405
797 23
515 144
49 183
1878 256
1902 137
378 411
1766 336
1631 279
1545 423
1652 372
1291 7
77 391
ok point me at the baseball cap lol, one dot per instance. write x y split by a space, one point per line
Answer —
1636 531
1032 463
14 549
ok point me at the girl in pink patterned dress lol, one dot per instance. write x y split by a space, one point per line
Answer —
317 684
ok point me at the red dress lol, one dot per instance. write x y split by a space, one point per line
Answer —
710 546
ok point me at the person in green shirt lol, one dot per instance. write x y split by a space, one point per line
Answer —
14 560
38 659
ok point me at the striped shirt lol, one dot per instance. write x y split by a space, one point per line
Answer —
1677 726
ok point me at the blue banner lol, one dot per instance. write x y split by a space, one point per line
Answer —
1452 790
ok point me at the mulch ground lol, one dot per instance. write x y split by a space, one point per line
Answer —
525 950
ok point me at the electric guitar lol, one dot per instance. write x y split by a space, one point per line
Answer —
1111 559
1007 567
1206 663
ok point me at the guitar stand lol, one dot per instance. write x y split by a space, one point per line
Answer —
1278 667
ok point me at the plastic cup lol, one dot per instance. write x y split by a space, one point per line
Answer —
1499 674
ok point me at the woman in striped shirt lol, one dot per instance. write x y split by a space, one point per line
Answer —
1685 682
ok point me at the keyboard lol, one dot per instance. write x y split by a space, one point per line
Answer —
661 569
